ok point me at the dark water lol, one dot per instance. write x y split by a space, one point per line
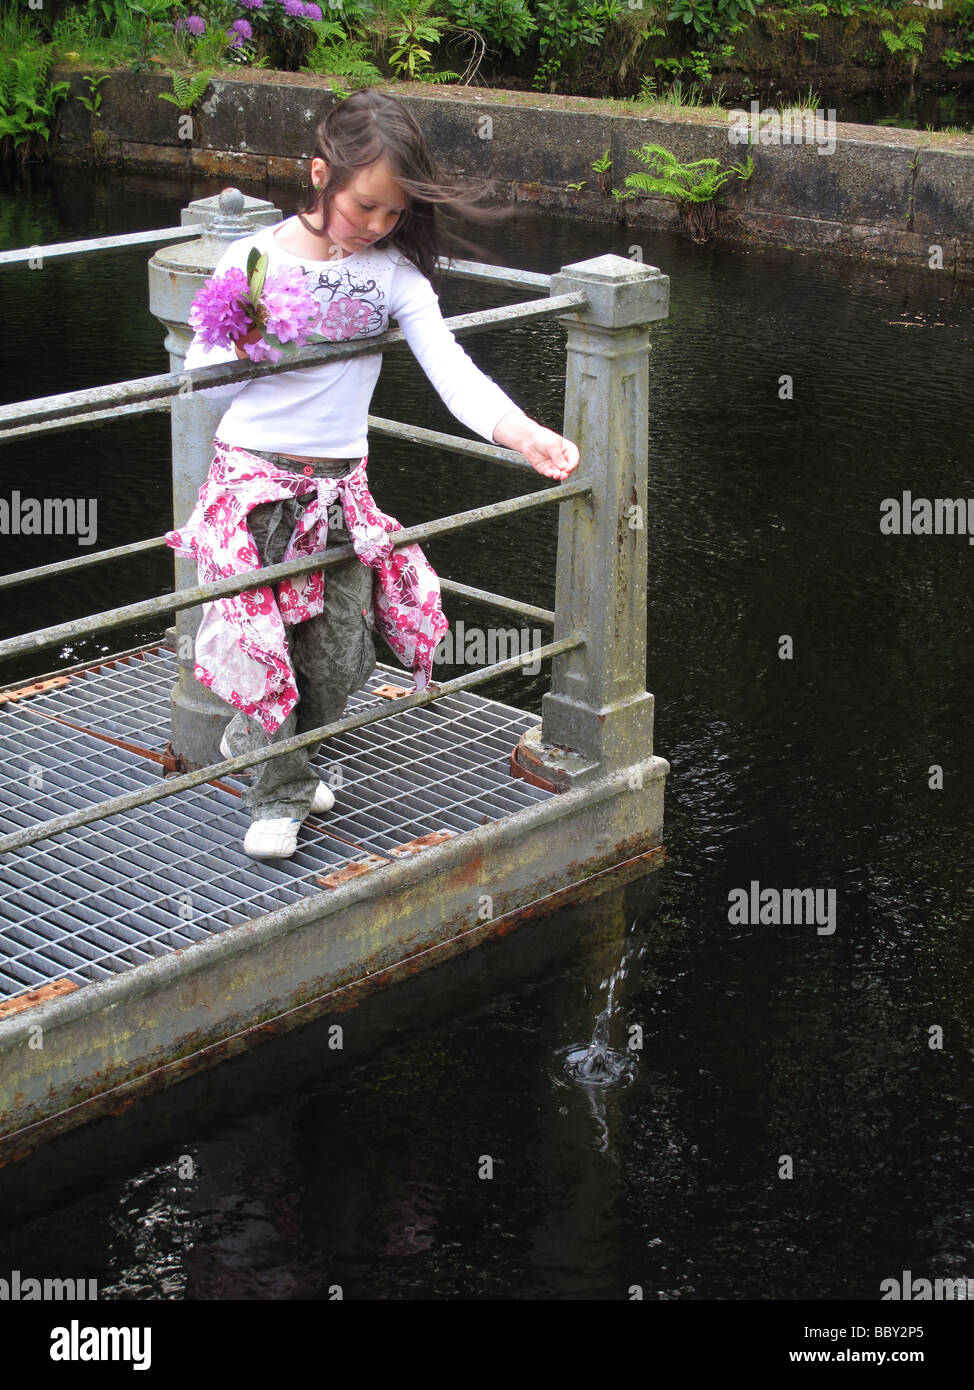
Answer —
916 108
912 108
361 1168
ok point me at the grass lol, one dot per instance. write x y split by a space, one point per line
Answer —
810 102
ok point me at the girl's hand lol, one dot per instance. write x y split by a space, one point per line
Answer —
545 451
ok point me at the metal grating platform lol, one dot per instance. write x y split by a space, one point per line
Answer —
90 903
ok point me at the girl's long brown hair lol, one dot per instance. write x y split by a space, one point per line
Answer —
370 125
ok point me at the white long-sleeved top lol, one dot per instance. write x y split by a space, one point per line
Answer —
323 411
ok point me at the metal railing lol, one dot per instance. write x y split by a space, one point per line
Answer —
598 704
74 408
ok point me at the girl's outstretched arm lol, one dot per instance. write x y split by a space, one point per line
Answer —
547 452
471 395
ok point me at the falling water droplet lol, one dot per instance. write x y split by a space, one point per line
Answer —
598 1064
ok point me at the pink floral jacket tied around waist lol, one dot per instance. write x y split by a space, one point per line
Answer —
241 648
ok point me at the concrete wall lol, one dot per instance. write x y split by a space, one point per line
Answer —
879 194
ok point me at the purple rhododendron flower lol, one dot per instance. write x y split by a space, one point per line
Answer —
312 11
288 308
294 8
243 28
220 311
262 352
234 40
251 4
196 24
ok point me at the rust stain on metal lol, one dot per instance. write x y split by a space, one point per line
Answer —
517 770
174 763
171 762
470 873
435 837
25 691
41 995
353 870
391 692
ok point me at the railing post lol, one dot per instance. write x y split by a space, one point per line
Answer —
598 708
176 273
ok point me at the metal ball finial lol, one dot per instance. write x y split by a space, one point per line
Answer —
231 202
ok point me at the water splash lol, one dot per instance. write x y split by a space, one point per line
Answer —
598 1064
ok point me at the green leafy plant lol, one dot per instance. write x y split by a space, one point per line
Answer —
954 57
603 167
743 169
713 19
186 91
152 12
212 49
693 186
576 187
93 100
505 24
415 26
338 55
545 77
89 35
28 107
565 24
910 37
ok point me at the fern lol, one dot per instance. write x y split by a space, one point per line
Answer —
684 182
326 31
186 91
341 59
23 78
27 106
910 36
336 54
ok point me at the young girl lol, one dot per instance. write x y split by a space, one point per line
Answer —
288 474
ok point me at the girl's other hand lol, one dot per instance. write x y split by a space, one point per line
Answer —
545 451
549 453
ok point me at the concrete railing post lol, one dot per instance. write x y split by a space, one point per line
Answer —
598 706
176 273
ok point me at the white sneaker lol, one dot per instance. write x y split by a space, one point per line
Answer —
324 798
272 839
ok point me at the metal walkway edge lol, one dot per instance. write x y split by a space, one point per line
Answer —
88 904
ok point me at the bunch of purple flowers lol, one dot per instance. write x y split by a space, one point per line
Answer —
280 304
241 30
